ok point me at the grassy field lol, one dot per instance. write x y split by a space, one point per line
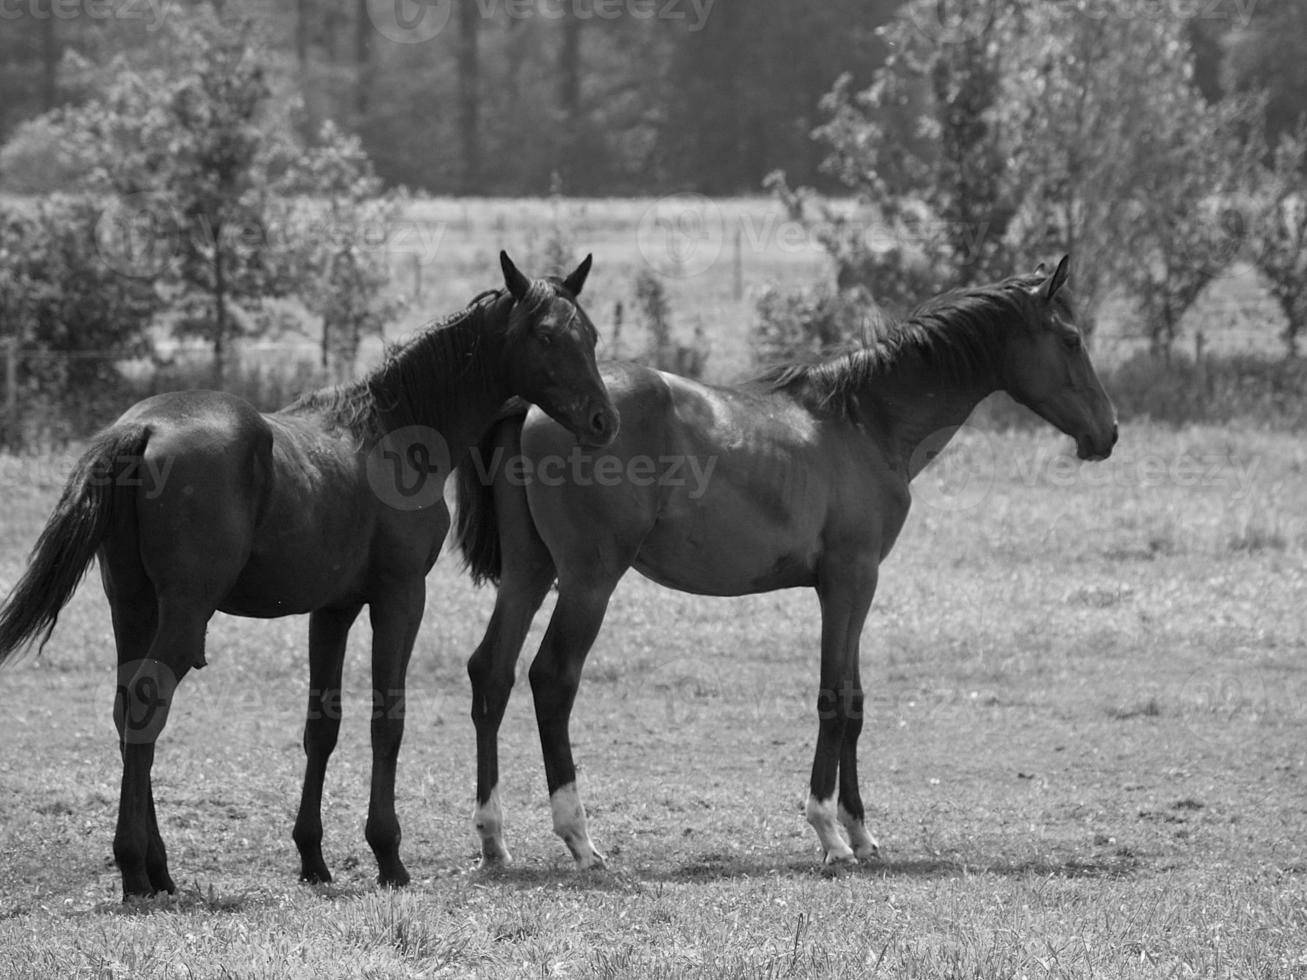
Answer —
1085 756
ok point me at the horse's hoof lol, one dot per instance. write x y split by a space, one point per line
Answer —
162 883
839 859
869 853
315 876
395 879
496 861
594 861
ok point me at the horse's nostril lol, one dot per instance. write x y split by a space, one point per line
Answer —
1116 432
599 423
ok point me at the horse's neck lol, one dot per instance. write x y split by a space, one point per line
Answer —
472 391
917 409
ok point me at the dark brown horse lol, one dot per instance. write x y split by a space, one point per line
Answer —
799 480
195 503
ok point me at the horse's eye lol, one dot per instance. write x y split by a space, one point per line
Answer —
1072 342
546 339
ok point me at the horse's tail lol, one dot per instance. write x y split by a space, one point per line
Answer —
476 525
69 541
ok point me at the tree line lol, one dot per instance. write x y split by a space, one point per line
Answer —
591 97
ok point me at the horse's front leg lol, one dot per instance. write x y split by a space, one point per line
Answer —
491 668
845 593
555 676
328 633
396 612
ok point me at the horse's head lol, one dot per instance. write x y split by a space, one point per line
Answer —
551 353
1047 368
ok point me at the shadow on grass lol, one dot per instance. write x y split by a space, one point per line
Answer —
710 868
717 869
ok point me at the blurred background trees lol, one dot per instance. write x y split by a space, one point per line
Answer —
241 166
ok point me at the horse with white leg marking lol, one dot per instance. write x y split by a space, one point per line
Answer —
807 476
333 503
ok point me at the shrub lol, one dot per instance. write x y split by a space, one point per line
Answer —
39 158
655 313
815 322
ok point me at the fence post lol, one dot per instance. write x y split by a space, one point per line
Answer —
11 389
737 266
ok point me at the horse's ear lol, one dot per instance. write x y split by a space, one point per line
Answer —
576 280
1041 269
1057 280
517 283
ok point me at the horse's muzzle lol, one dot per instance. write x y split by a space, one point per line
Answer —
1096 450
600 427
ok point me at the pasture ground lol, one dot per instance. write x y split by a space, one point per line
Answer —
1084 756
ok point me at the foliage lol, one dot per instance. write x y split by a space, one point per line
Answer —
1005 134
813 323
72 317
194 145
1123 159
1192 232
339 230
1243 389
39 159
1263 54
1278 235
653 308
709 95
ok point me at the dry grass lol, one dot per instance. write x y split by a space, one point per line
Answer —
1084 757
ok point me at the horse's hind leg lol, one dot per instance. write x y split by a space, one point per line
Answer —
141 711
527 574
135 617
555 676
328 634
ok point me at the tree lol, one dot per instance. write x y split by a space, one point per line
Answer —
999 134
1265 54
942 192
1190 231
196 146
469 92
339 226
1121 157
1278 240
72 315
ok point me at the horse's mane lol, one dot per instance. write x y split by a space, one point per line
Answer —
411 384
961 332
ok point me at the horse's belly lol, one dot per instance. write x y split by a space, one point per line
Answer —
270 588
726 556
